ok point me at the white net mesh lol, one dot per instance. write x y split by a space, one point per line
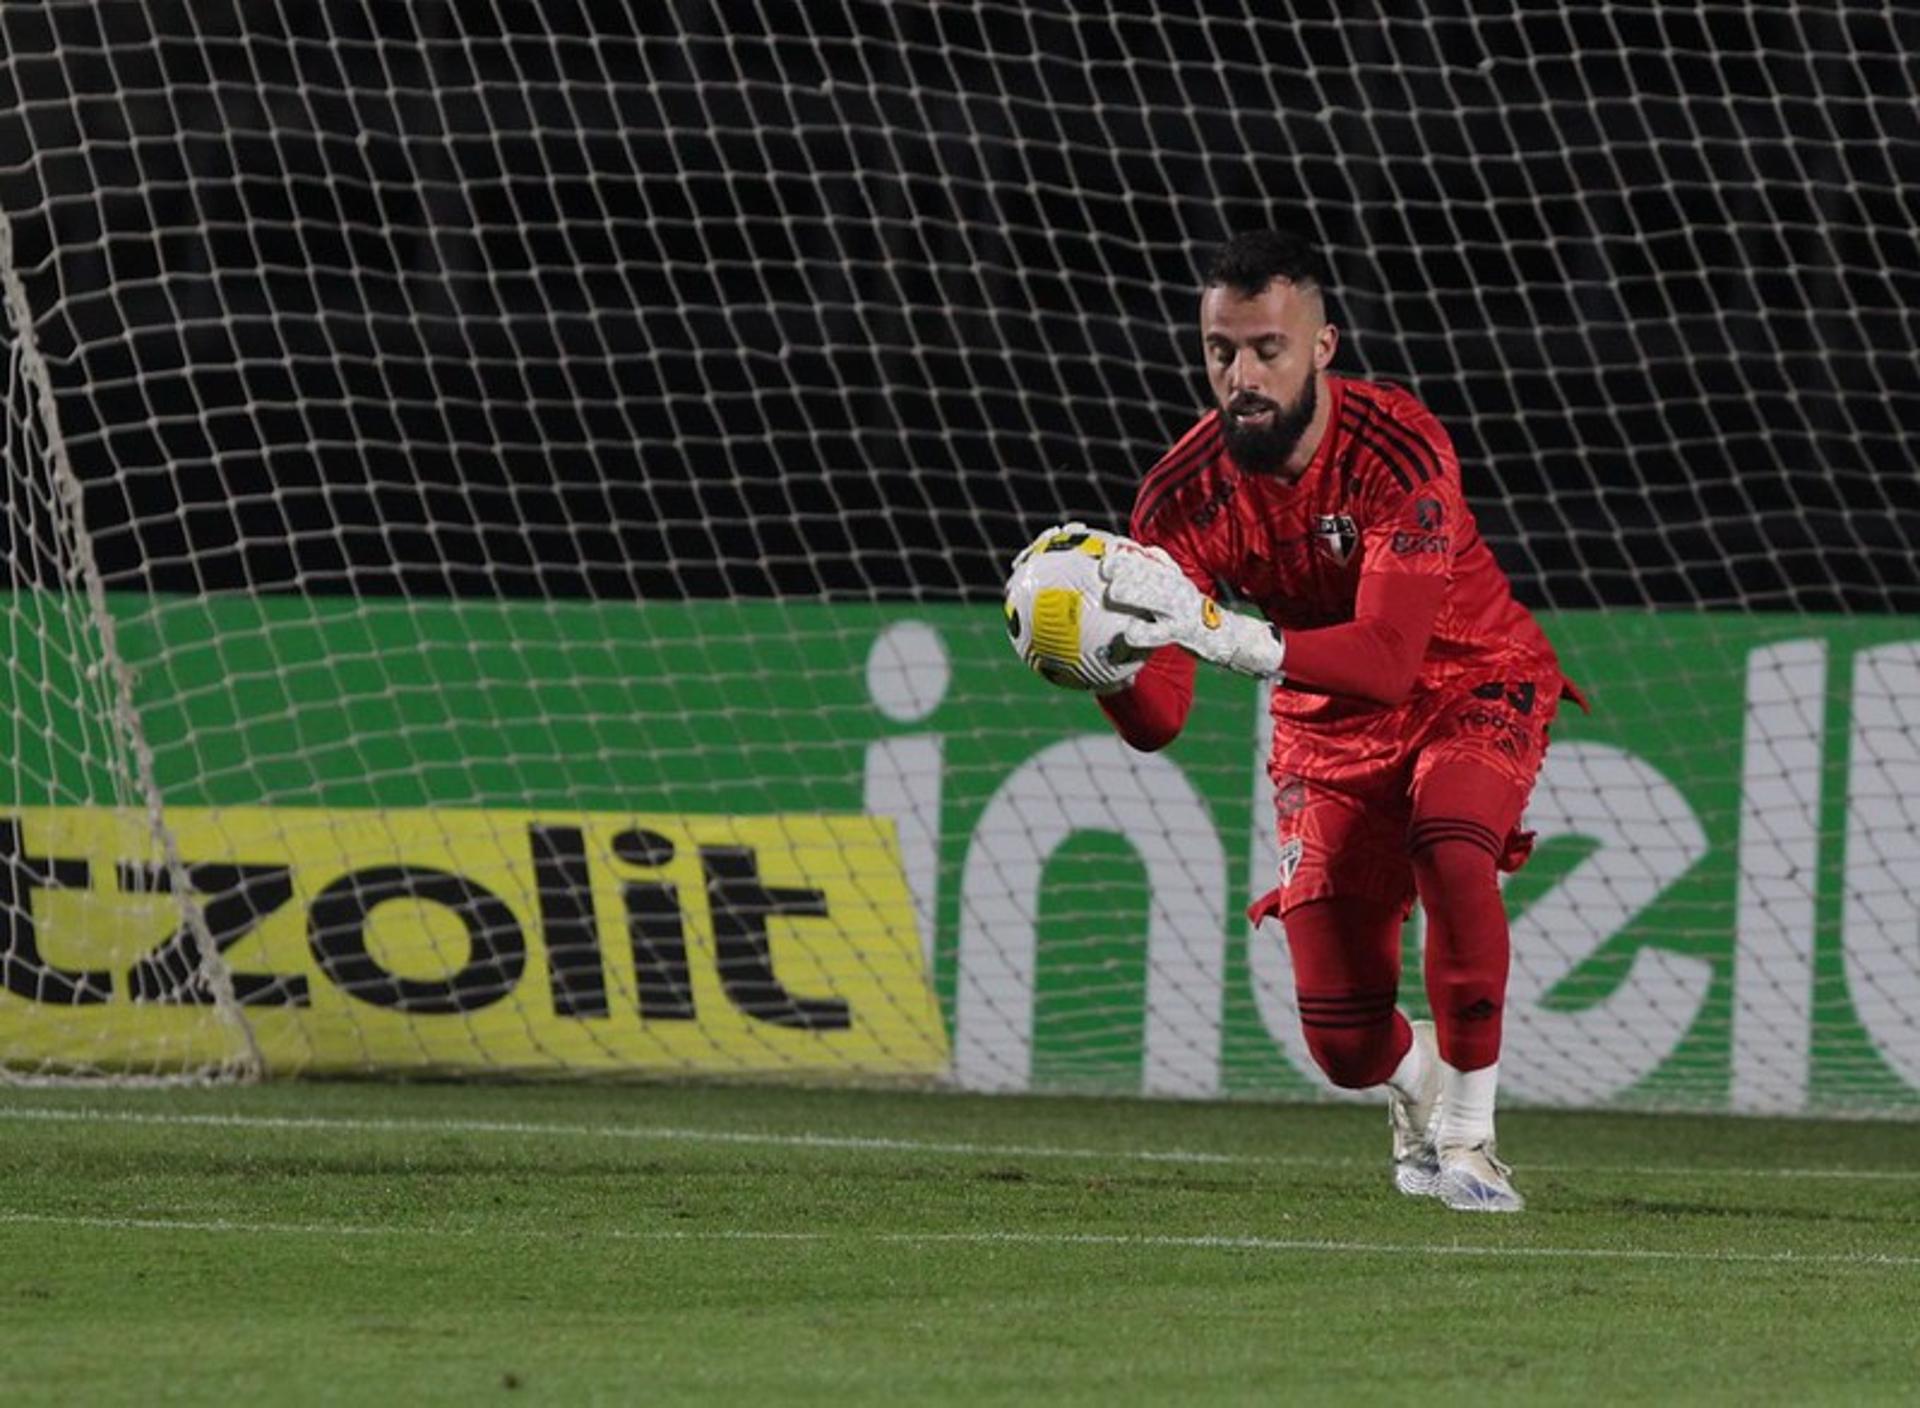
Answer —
537 481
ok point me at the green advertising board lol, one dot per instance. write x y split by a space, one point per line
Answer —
1719 914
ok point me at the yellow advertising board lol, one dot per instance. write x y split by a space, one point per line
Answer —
468 940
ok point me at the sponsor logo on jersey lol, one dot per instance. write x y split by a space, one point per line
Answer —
1217 500
1519 694
1406 544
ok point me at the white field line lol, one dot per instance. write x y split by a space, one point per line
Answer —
1266 1245
668 1134
664 1134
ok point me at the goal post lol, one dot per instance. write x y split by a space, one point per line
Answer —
507 505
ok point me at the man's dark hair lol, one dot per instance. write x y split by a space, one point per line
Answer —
1249 261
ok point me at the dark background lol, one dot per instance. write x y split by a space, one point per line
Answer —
847 299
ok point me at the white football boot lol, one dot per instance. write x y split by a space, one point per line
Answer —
1413 1119
1471 1179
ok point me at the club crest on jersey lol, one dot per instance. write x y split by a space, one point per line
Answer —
1337 534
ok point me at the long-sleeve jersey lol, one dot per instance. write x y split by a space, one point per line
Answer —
1370 563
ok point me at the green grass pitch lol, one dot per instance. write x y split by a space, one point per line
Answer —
361 1243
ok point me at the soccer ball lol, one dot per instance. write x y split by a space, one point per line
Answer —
1060 624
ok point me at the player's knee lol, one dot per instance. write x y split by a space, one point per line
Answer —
1448 871
1351 1037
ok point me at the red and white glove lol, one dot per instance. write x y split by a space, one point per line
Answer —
1146 583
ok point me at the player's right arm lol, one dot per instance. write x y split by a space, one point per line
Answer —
1150 714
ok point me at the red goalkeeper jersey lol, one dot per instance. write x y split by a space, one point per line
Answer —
1370 562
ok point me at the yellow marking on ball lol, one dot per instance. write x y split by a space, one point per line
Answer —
1056 625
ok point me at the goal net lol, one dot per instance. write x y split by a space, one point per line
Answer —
506 507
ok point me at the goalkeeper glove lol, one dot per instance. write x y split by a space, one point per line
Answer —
1146 583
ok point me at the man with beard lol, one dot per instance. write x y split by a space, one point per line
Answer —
1411 695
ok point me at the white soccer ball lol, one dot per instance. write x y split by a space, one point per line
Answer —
1060 624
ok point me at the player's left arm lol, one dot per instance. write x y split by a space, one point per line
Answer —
1414 512
1375 657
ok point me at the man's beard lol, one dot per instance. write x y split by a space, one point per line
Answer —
1263 449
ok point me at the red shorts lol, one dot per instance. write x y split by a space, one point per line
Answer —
1344 832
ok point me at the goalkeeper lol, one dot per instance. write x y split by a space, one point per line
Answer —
1412 694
